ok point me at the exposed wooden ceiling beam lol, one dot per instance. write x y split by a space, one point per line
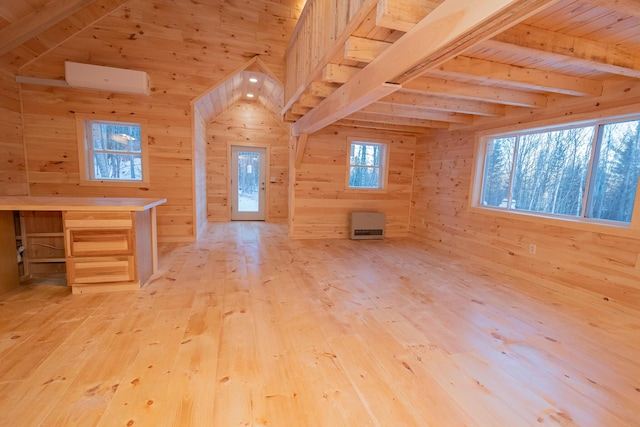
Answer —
444 104
339 111
449 88
335 73
400 121
525 78
310 100
402 15
41 19
453 89
323 89
290 116
389 126
417 113
536 42
450 29
450 36
300 109
566 49
364 50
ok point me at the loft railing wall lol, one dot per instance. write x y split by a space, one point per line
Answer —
321 25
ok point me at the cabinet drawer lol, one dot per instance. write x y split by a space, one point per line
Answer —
98 220
101 270
100 242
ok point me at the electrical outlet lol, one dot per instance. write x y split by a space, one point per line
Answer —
532 249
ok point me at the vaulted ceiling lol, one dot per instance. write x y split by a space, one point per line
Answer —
253 82
566 49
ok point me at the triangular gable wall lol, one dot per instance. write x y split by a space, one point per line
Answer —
268 91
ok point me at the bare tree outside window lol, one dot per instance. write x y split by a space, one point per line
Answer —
616 172
585 171
115 151
366 163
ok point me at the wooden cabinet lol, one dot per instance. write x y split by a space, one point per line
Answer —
101 250
106 244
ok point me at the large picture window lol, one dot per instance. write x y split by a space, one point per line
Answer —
367 164
587 171
113 151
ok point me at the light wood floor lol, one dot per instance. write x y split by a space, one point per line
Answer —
247 328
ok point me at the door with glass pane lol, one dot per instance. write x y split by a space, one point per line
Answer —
248 189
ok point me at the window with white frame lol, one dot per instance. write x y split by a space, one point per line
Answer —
367 164
113 151
587 170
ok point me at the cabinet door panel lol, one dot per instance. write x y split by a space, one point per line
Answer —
98 220
101 270
100 242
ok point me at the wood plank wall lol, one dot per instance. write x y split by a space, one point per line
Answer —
246 123
592 265
200 170
185 47
13 176
322 200
52 151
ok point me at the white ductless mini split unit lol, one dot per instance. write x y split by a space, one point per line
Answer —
367 225
108 79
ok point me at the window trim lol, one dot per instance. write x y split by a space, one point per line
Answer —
84 152
581 223
384 165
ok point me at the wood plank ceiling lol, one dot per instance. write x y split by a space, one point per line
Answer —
31 28
568 48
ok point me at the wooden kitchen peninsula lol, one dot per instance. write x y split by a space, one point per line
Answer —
110 244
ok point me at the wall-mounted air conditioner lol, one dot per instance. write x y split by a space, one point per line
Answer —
367 225
109 79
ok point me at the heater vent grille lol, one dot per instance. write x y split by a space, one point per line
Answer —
367 225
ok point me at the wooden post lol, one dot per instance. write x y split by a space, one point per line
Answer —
9 275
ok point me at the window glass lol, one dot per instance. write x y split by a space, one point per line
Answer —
616 172
114 151
551 171
585 171
366 161
497 171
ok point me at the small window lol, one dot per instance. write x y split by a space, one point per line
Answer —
113 151
588 171
367 164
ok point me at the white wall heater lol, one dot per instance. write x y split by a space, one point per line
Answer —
109 79
367 225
